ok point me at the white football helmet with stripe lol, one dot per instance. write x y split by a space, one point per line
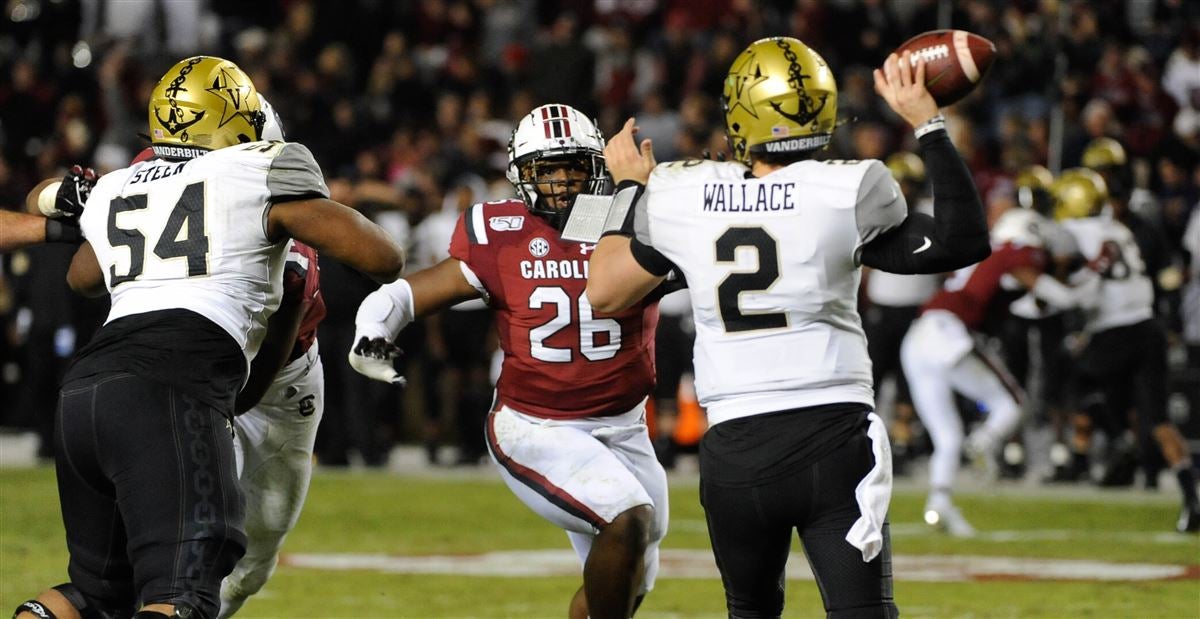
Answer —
554 134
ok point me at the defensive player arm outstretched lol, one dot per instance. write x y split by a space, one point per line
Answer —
339 232
957 234
385 312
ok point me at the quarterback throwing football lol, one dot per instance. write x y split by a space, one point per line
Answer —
770 245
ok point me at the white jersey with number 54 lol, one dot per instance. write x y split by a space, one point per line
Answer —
772 265
192 234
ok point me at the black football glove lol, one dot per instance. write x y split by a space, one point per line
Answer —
74 191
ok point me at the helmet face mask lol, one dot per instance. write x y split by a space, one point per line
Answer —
202 104
780 98
555 154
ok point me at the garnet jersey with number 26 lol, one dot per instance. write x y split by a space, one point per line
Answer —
562 360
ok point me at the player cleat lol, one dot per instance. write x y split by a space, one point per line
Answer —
946 517
1189 520
980 450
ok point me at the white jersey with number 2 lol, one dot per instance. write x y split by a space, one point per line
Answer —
772 264
192 234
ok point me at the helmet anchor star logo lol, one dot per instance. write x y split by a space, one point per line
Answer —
744 82
231 92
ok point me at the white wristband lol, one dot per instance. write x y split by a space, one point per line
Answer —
931 125
47 200
385 312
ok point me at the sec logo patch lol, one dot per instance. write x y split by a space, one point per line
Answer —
539 247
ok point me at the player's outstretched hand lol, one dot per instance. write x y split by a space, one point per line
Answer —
904 89
372 357
74 191
627 161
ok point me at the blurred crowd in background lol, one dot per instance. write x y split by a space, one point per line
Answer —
408 106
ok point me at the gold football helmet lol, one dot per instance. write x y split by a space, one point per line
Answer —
202 104
1078 193
1033 185
1102 153
780 98
906 167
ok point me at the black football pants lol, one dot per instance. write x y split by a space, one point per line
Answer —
751 533
149 494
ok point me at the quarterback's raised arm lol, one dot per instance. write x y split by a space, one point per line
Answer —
957 234
339 232
623 269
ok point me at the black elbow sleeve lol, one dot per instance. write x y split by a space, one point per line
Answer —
959 217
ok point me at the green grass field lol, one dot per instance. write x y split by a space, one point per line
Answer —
397 516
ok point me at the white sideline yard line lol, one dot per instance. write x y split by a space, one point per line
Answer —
915 529
698 564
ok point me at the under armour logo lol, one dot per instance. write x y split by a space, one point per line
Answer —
584 248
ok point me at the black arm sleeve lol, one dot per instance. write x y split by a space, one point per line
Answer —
956 235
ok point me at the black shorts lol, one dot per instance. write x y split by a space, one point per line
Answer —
1128 366
750 526
149 493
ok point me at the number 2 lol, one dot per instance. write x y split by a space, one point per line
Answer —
589 327
730 289
188 211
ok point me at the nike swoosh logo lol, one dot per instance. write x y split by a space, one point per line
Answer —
927 245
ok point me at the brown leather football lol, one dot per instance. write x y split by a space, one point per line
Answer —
955 62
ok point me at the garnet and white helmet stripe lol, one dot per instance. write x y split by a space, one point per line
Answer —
554 121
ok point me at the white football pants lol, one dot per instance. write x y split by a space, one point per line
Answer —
939 358
274 449
580 474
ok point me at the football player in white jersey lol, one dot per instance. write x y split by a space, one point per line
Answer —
190 247
771 246
1124 364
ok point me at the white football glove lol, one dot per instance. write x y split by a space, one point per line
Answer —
373 358
381 317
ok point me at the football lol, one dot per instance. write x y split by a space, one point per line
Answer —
955 62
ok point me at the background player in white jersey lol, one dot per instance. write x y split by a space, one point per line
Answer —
771 247
187 246
1046 353
1124 364
568 429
